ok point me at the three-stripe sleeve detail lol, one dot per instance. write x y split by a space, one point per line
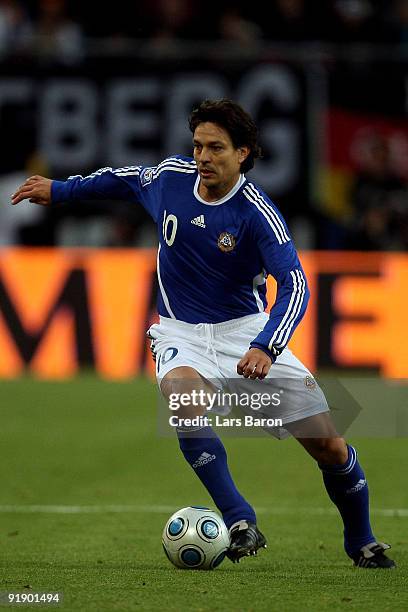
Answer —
268 212
283 331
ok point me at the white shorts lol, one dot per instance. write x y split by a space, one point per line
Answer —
213 350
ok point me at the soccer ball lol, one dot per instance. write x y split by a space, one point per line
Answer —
195 538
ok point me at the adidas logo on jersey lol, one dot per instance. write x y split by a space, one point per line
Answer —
199 221
203 459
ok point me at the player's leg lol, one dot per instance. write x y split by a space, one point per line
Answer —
303 403
184 361
346 486
203 449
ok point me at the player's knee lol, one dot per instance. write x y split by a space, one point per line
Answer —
330 451
179 380
335 452
184 390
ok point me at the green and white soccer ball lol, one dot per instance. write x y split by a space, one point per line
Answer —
195 538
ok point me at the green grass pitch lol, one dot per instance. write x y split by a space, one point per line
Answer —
91 449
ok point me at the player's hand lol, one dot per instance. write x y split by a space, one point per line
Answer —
37 189
254 364
152 348
152 338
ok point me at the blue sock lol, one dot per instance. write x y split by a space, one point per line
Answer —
206 454
348 489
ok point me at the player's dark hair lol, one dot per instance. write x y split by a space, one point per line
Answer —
237 122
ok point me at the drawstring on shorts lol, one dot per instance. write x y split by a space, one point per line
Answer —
208 329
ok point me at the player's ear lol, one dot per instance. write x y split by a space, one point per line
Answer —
243 153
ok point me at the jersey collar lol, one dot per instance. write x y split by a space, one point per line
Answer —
228 196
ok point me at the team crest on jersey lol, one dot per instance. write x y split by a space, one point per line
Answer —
147 176
226 242
310 382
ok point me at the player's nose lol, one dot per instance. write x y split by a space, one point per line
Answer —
204 155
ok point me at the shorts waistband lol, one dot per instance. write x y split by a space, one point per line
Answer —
216 328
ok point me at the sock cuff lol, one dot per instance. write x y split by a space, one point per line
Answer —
205 431
342 469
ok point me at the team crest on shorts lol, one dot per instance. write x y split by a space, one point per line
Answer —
146 176
226 242
310 382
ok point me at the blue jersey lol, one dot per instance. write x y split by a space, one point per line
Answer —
213 258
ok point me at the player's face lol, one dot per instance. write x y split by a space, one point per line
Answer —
218 161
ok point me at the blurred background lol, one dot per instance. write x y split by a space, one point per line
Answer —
327 83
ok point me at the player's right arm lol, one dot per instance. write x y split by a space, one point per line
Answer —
37 189
105 184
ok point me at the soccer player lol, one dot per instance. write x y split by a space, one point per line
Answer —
220 237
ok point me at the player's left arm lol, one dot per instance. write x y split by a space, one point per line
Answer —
281 261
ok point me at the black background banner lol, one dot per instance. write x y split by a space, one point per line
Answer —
125 112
